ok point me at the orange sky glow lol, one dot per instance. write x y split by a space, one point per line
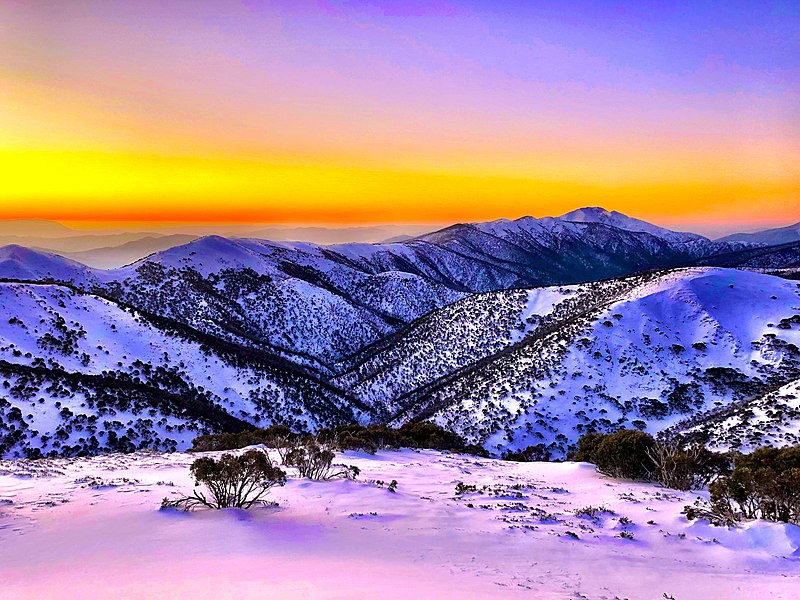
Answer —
119 112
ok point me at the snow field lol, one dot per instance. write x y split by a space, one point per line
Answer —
91 528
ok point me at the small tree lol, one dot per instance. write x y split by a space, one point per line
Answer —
232 481
315 461
763 485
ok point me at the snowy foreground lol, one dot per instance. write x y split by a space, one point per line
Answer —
91 528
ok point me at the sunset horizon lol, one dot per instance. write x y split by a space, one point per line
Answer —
343 113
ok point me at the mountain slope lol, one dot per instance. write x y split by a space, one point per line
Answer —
643 351
454 336
760 257
82 373
19 262
771 419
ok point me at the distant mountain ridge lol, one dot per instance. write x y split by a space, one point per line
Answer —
768 237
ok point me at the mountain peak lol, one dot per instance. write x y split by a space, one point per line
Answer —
597 214
593 212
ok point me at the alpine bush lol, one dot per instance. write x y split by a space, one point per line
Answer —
537 453
763 485
634 454
232 481
315 461
690 467
624 454
272 437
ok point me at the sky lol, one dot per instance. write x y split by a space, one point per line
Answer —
350 112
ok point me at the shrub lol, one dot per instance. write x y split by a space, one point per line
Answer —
686 468
431 436
594 513
763 485
587 446
232 481
273 436
424 435
623 454
536 453
315 461
465 488
360 438
475 450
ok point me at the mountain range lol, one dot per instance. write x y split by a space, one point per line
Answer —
769 237
513 333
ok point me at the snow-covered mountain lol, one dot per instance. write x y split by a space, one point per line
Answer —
452 325
783 256
768 237
595 214
319 304
81 373
544 366
19 262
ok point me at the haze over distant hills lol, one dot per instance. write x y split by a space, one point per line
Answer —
111 248
108 249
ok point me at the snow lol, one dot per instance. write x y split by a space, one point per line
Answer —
19 262
355 539
644 349
769 420
93 336
596 214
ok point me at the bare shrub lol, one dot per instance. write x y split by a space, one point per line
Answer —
686 468
315 461
232 481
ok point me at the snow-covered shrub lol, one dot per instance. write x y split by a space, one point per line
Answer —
763 485
594 513
315 461
232 481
